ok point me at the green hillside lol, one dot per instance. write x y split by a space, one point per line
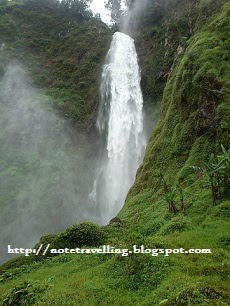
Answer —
63 48
171 204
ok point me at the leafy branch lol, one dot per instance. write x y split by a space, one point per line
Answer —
170 194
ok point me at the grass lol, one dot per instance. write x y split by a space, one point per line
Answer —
139 279
184 136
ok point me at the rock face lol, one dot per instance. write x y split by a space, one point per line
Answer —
193 113
115 222
207 121
161 33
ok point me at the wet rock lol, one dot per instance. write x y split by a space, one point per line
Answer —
115 222
207 117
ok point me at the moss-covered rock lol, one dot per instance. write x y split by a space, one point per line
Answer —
162 32
189 128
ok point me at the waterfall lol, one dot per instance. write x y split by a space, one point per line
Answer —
120 123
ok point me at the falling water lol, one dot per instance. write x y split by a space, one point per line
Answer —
45 175
120 123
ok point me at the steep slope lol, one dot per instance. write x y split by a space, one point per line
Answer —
194 114
162 31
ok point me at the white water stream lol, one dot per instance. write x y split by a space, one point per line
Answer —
120 123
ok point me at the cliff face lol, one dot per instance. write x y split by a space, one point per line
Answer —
162 31
194 112
63 49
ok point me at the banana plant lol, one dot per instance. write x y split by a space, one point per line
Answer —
169 195
182 203
224 159
218 171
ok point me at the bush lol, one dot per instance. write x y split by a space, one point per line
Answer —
222 211
177 224
84 234
24 293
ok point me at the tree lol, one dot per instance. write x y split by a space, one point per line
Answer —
169 195
77 8
218 171
114 6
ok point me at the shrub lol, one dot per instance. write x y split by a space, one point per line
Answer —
84 234
24 293
177 224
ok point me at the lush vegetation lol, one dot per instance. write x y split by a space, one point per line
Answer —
194 110
217 169
161 33
192 131
62 46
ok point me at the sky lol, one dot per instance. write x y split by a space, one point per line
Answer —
97 6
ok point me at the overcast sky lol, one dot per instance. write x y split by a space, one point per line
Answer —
97 6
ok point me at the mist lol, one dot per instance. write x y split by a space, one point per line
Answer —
51 174
130 21
45 166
